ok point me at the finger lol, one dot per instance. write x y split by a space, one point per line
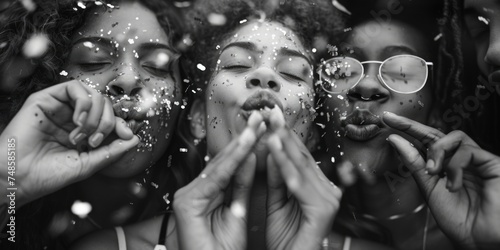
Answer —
75 93
94 116
412 159
98 158
425 134
286 167
276 188
106 125
223 166
276 120
445 147
242 187
122 130
453 153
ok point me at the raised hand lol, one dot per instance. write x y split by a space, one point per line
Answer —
45 134
465 203
199 207
302 202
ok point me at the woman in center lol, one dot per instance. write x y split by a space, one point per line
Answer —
255 109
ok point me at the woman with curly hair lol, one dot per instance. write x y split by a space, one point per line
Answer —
261 187
107 129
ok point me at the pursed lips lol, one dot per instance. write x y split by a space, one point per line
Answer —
261 100
361 125
129 111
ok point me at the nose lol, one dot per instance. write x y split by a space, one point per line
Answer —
492 56
128 81
263 77
370 87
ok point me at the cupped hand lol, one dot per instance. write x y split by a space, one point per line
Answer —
46 136
302 201
465 203
203 220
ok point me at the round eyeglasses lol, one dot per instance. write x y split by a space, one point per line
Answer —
405 74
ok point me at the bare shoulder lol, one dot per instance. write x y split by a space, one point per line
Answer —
141 235
102 239
144 234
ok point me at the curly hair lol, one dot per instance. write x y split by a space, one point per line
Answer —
307 19
58 20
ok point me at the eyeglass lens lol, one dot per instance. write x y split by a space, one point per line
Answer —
404 74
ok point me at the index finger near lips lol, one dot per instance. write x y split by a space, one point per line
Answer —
425 134
224 165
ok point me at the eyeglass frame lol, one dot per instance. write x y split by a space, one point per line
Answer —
379 73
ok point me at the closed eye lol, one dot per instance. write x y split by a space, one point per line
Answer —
235 66
292 76
93 66
162 72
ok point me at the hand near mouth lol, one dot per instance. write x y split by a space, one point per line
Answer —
46 133
464 203
199 207
304 219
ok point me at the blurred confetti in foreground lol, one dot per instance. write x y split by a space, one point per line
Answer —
29 5
81 209
36 46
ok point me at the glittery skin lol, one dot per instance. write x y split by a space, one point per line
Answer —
260 57
124 53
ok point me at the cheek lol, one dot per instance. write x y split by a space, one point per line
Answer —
96 80
415 106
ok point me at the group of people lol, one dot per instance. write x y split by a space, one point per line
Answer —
245 124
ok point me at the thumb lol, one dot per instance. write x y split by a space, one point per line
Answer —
98 158
414 161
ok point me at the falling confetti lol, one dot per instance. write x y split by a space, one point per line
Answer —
340 7
36 46
484 20
29 5
201 67
216 19
81 209
238 210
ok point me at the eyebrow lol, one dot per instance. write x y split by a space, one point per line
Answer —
294 53
252 47
109 43
244 45
99 40
404 49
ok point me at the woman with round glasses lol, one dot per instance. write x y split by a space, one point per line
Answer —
389 71
421 188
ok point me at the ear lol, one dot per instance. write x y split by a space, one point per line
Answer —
197 119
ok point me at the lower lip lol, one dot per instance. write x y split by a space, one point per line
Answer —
361 132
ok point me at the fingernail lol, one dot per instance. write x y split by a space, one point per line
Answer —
247 137
96 139
81 118
78 138
430 165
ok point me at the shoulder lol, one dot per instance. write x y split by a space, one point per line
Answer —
102 239
141 235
